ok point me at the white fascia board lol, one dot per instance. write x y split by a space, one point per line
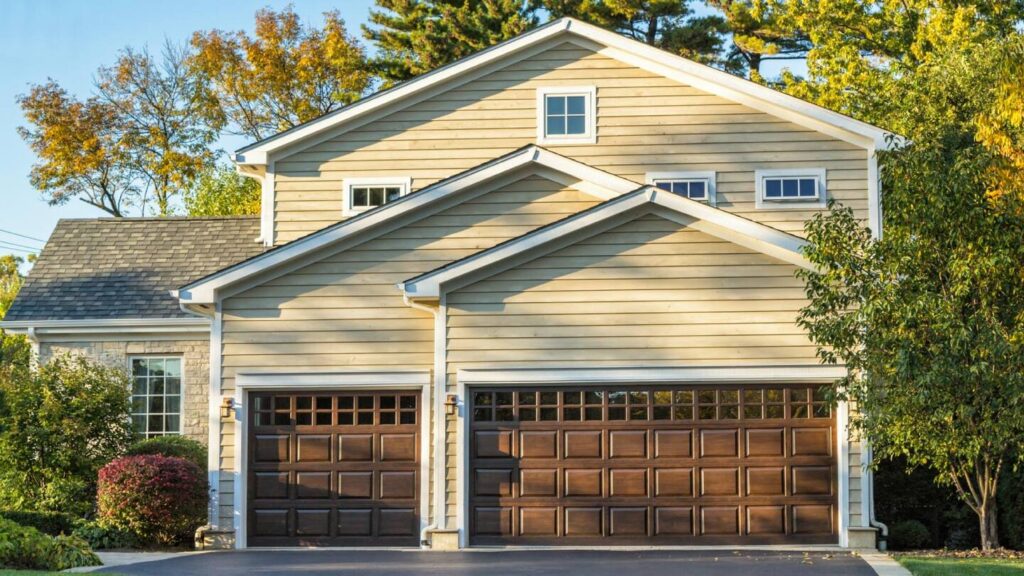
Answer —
258 153
109 326
719 223
646 375
619 47
603 185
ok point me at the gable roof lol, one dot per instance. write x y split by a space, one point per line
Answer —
699 216
740 90
601 184
123 268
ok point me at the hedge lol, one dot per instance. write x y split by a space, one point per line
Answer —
52 523
27 548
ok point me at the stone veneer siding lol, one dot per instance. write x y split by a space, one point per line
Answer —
196 368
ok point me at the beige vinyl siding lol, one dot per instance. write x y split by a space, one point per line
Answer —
344 312
650 292
645 123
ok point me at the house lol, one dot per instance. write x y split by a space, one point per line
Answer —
543 295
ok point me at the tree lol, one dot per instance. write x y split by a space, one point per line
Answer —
930 319
285 75
416 36
221 191
14 349
166 120
759 34
81 150
58 426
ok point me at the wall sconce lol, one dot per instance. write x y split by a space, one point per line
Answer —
451 403
227 406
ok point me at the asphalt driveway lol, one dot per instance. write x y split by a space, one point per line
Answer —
504 562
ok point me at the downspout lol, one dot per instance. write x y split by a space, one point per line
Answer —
33 340
871 499
439 521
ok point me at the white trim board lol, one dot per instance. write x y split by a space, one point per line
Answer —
601 184
697 215
614 45
112 328
419 380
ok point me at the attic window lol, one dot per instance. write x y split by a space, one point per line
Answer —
699 186
362 194
565 115
790 189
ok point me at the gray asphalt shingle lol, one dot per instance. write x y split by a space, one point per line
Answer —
125 268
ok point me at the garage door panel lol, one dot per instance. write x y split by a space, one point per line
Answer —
654 464
333 469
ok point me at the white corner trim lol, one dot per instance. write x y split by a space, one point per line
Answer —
874 195
762 203
604 185
405 182
590 96
711 220
708 176
843 443
631 51
641 375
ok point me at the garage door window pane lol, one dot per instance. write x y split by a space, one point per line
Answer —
156 395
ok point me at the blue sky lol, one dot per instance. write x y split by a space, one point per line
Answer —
67 40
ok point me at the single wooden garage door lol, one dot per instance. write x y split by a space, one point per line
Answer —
333 469
652 464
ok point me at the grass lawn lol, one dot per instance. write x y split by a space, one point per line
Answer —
961 566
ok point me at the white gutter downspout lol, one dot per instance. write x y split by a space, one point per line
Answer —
439 521
33 341
871 498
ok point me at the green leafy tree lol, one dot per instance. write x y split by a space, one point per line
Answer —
760 33
930 319
14 348
59 425
222 191
416 36
284 75
670 25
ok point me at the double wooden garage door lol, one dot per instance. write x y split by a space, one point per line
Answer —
661 464
334 469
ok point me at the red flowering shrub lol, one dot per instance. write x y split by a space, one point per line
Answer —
160 499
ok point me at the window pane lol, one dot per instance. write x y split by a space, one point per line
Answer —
360 197
577 105
173 423
697 190
387 403
527 397
365 402
155 424
140 386
549 397
556 105
772 188
139 367
407 402
556 125
665 185
173 386
576 125
483 398
156 386
807 187
593 397
172 404
156 404
393 192
173 367
156 366
789 188
503 398
376 196
138 404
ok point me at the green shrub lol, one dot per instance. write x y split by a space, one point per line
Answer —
908 535
26 547
177 446
1011 507
160 499
52 523
103 537
60 424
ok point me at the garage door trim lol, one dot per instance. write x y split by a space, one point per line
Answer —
466 379
355 381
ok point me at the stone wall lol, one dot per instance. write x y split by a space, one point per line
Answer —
196 368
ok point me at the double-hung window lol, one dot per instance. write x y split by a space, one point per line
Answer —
156 395
565 115
362 194
790 189
699 186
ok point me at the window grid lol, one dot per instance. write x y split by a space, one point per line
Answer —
692 188
334 410
782 188
366 197
565 115
156 395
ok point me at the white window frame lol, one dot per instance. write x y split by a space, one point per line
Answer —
762 203
181 388
590 97
405 182
652 178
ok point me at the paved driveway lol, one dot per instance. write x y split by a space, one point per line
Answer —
505 562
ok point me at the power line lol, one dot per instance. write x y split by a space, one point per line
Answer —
16 245
6 249
23 236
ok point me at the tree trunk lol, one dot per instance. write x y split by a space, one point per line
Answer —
988 521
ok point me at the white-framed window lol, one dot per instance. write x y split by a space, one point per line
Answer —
790 189
156 394
566 115
699 186
362 194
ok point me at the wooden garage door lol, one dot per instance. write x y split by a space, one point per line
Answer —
332 469
652 464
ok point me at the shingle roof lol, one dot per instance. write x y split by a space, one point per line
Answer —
124 268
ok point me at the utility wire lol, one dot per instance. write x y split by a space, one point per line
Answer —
16 245
22 236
